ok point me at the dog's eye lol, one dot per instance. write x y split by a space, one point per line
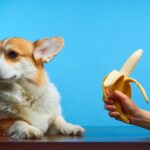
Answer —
12 54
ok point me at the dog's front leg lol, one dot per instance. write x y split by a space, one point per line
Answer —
21 129
63 127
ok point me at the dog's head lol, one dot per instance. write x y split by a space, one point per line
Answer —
20 58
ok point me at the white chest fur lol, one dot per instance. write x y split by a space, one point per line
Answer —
38 106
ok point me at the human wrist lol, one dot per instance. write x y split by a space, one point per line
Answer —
142 119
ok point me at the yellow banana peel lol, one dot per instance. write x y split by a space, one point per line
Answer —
120 80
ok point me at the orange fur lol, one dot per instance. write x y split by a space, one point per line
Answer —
21 46
5 125
39 80
25 50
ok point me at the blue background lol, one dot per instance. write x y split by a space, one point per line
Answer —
99 36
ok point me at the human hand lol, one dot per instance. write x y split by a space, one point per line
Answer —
129 108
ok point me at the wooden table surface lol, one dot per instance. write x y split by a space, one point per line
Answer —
105 138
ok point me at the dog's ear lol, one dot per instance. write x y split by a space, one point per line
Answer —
47 48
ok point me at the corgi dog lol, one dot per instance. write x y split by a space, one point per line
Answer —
29 101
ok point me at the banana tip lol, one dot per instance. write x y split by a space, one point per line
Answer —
139 51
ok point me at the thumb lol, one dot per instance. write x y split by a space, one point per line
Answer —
123 99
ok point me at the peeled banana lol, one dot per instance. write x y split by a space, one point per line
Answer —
120 80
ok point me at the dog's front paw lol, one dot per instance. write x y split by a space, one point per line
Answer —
23 130
70 129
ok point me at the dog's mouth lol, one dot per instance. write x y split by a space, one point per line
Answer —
8 79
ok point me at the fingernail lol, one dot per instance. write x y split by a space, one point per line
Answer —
118 113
